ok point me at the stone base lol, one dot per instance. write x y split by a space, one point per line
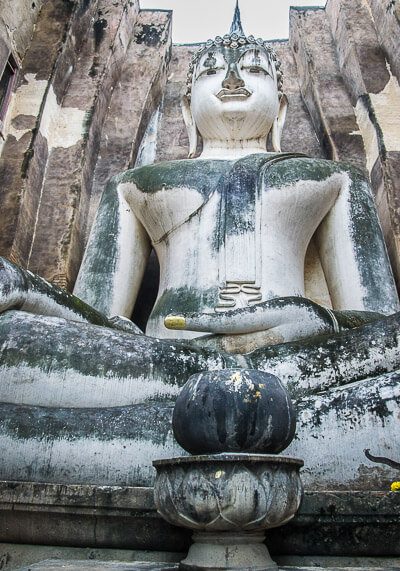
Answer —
15 556
228 551
141 566
351 524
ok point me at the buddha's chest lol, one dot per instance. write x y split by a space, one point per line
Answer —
238 223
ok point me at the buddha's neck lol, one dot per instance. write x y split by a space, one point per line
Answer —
230 150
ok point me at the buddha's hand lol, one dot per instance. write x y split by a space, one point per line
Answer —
13 286
287 318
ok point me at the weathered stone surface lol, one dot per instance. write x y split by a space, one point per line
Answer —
360 55
331 523
172 139
94 70
83 516
228 500
17 20
386 15
133 101
100 566
322 86
15 556
228 492
26 146
375 96
298 118
233 410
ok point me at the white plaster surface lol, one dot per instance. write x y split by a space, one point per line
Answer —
61 126
134 250
333 447
368 133
232 125
37 386
85 460
386 107
338 252
26 101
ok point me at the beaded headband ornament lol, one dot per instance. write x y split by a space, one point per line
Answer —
235 39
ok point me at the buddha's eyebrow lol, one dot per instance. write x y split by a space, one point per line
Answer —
256 58
210 61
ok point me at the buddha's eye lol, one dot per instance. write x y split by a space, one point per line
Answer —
211 71
256 69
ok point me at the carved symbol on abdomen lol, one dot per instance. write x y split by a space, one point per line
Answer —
231 294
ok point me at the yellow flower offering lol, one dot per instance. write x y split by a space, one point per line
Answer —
395 487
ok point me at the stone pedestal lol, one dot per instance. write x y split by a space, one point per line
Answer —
212 551
229 500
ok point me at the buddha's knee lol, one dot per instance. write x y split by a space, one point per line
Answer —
13 286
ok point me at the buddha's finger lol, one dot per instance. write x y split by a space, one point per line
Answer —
243 320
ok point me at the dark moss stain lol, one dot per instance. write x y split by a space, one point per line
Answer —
28 155
60 346
371 254
202 175
151 422
94 69
351 319
22 122
366 100
150 35
328 354
237 183
87 121
348 406
186 300
64 299
84 5
293 170
99 26
239 191
101 258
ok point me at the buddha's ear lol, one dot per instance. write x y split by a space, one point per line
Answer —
190 125
279 122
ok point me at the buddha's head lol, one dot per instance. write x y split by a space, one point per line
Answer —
234 91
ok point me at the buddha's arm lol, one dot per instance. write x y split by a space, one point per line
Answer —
286 318
353 252
23 290
109 279
116 256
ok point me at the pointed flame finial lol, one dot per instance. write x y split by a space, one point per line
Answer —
236 26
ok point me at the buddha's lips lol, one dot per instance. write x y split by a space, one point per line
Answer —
240 93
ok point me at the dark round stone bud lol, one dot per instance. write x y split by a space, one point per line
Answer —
234 410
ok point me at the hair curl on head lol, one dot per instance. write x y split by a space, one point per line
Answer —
234 41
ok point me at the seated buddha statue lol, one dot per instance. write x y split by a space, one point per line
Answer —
268 260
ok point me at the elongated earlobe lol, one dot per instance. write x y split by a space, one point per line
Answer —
279 122
190 126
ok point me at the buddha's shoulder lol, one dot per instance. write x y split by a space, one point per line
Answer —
189 173
292 168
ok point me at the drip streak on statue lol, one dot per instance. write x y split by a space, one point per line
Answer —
240 212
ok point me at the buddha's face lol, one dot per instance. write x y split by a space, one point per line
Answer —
234 93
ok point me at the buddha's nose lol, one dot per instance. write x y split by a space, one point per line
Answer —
232 79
